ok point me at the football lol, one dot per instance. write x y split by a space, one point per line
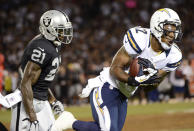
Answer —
134 68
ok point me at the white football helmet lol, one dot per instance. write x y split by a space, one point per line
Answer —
162 17
56 27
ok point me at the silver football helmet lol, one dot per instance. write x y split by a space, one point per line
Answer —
56 27
162 17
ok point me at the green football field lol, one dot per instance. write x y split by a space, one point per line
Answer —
150 117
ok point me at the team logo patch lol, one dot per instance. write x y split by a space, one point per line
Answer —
46 21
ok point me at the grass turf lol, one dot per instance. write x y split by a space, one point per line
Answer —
84 112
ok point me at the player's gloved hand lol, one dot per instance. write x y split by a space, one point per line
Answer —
132 82
143 78
31 125
153 80
145 63
149 69
58 107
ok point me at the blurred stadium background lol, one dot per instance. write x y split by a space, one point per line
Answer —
99 26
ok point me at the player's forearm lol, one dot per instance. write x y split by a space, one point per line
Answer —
119 74
27 95
31 75
51 98
120 61
162 74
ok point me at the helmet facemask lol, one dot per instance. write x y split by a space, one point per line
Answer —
178 32
64 35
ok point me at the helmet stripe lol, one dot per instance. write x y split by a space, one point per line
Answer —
65 15
132 42
165 11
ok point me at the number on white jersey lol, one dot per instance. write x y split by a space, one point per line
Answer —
139 29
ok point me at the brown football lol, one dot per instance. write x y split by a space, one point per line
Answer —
134 68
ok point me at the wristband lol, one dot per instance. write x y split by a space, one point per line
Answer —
131 81
35 122
53 103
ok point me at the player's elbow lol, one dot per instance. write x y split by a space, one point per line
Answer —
113 71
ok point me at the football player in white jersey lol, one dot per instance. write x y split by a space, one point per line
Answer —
156 51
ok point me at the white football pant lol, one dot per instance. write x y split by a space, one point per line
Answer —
43 112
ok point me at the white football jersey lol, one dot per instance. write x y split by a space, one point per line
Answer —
137 43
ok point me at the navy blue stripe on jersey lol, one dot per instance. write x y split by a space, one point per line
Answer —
132 42
18 116
174 65
167 52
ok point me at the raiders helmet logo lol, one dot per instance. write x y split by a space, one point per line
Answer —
46 21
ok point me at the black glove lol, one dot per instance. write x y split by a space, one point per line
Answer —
152 80
145 63
132 82
149 78
31 125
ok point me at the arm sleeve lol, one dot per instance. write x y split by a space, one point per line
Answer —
174 62
134 42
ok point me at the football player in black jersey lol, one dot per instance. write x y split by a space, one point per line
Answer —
38 68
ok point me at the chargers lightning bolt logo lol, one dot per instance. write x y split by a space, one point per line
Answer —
165 11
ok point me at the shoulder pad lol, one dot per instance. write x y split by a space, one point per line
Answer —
42 44
175 58
135 40
39 52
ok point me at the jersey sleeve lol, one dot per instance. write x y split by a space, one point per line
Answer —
38 54
175 61
134 42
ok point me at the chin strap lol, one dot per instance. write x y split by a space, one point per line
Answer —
57 43
164 45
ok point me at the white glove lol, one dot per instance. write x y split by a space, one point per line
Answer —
57 107
30 125
11 99
85 92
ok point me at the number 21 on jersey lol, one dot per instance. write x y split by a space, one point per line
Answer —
38 55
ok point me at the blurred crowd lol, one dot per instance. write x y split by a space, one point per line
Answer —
99 27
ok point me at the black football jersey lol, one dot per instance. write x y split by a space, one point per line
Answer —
44 53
